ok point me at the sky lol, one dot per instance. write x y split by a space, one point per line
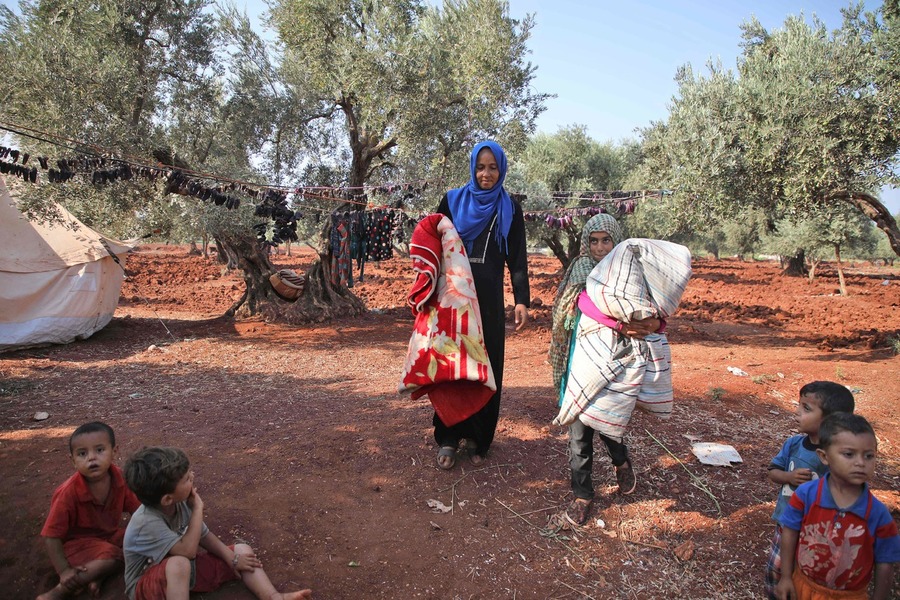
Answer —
612 63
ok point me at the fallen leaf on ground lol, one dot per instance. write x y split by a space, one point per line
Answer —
438 506
685 550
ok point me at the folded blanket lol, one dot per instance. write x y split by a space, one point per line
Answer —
446 358
610 373
640 278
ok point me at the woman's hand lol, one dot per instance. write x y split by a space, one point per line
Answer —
521 316
642 328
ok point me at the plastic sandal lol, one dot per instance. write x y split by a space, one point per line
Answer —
448 453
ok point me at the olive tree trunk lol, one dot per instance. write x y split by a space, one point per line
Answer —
796 265
252 259
840 269
878 212
564 250
321 299
813 265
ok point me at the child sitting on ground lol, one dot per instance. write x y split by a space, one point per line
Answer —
162 542
798 461
82 531
833 529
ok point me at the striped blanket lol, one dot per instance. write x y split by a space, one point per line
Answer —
611 373
446 358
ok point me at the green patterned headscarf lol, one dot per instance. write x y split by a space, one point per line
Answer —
572 284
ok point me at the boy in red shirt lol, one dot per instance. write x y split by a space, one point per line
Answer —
82 531
835 534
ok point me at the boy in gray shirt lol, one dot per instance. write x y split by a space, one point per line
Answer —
163 539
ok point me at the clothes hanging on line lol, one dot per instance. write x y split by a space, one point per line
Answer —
359 240
341 264
379 230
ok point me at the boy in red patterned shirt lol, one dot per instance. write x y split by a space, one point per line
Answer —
83 531
834 530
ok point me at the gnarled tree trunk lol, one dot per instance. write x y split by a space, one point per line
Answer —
878 212
556 247
251 258
321 300
796 265
565 254
223 256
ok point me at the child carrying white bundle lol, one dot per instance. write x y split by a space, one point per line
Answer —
610 373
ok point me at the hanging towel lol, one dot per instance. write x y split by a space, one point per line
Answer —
446 358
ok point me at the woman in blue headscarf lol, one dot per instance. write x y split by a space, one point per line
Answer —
492 228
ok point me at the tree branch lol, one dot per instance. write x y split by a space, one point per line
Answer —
156 41
875 210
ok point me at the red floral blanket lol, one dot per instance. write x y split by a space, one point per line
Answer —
446 359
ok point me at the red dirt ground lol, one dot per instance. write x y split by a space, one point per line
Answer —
303 448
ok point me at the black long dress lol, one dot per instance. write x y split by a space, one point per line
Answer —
487 260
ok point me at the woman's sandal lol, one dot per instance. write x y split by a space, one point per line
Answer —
446 457
472 451
626 478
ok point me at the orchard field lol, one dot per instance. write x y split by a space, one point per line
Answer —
303 448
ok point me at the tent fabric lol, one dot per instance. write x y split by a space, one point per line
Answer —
30 247
57 283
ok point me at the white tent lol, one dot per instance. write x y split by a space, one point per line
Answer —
57 283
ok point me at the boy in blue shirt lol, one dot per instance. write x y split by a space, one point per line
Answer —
798 461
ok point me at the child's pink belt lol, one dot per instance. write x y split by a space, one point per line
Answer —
587 306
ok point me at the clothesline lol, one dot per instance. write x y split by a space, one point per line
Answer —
596 194
332 193
271 202
108 156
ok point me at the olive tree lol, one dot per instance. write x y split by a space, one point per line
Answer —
88 78
825 232
564 170
411 87
806 121
173 85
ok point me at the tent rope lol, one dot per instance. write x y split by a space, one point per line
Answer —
125 273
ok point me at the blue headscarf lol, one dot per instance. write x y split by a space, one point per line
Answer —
473 208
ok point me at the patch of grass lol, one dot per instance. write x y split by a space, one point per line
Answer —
716 393
763 378
14 387
839 373
894 343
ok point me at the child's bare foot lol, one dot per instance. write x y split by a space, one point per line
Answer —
57 593
301 595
